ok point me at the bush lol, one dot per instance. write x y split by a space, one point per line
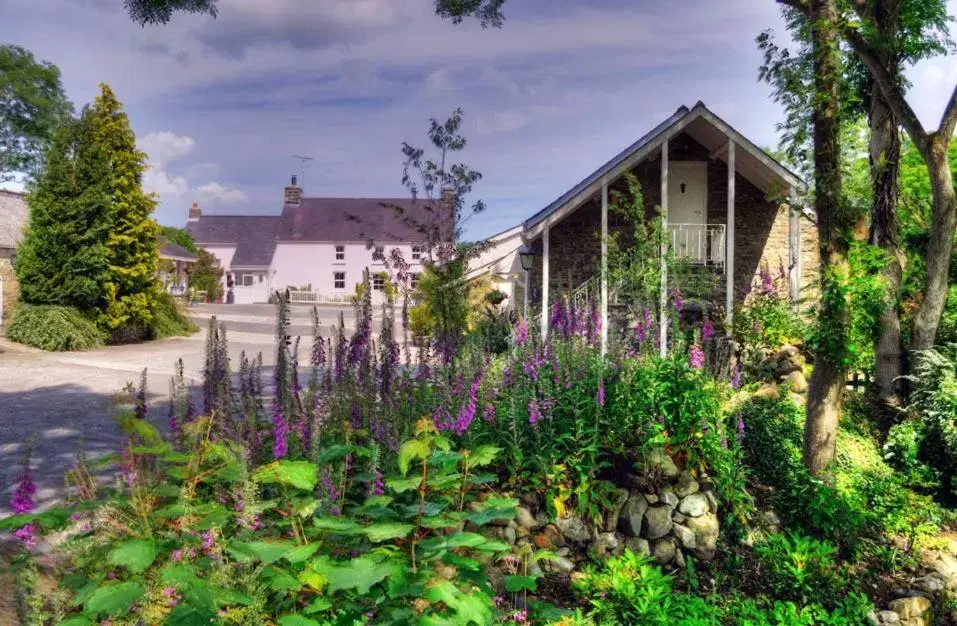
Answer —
902 450
797 567
934 399
169 319
53 327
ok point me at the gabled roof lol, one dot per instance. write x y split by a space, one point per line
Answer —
359 220
679 121
253 235
13 218
175 252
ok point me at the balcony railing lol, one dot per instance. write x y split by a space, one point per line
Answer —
699 243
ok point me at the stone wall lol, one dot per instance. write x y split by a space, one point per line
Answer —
761 228
10 289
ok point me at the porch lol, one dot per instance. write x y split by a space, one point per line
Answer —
726 208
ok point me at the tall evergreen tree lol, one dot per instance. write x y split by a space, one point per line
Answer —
64 256
133 254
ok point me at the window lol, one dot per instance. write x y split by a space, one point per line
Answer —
339 280
245 279
416 253
340 253
415 280
379 255
378 282
262 277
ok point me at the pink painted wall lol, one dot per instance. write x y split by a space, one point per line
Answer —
224 254
301 264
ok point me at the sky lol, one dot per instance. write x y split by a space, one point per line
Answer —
222 105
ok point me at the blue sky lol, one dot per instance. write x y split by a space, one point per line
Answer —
221 105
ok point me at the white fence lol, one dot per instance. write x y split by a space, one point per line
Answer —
312 297
699 243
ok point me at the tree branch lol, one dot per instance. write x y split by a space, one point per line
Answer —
949 120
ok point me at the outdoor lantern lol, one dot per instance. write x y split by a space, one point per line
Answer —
527 257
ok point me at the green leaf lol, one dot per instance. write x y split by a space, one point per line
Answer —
76 621
179 575
171 511
297 620
465 540
227 597
298 474
520 583
412 449
360 573
281 580
113 599
266 551
135 555
302 553
384 531
332 453
317 605
231 473
401 485
483 455
188 615
335 524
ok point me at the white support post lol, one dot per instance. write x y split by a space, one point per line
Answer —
663 298
604 269
729 244
545 281
794 215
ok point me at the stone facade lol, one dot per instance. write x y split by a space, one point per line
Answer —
10 289
761 228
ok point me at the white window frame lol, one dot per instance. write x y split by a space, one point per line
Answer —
340 253
416 253
378 282
414 280
336 281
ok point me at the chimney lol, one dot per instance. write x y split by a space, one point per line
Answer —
448 198
293 194
194 213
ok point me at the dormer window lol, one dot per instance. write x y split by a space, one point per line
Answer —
340 253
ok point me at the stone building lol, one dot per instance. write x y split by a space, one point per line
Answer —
13 219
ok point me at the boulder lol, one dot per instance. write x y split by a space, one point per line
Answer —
678 517
548 539
685 536
638 546
496 579
561 565
614 512
931 583
669 499
686 485
796 381
605 543
659 521
664 551
573 528
706 529
679 559
913 611
888 618
694 505
658 460
509 535
945 565
632 514
651 498
712 501
525 518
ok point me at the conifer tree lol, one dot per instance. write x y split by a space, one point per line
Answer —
132 287
64 257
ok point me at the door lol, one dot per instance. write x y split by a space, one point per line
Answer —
688 208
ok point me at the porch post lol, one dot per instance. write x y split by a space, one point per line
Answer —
663 259
795 247
545 281
604 269
729 244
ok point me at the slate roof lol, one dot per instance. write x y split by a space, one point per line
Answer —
358 220
253 235
170 250
320 220
13 218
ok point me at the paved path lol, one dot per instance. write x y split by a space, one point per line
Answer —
63 397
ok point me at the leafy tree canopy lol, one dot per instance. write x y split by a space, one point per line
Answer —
178 236
32 106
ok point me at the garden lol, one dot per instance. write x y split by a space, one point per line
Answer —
365 481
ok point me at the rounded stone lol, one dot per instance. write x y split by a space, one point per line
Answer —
638 546
797 383
913 610
664 551
632 514
510 535
694 505
669 499
687 485
659 460
685 536
573 528
562 565
659 521
525 518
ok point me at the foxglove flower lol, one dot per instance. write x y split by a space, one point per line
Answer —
707 330
22 500
679 301
280 446
27 535
736 375
534 414
740 429
696 357
521 332
601 393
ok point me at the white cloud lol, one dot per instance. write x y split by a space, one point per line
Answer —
166 147
159 181
216 192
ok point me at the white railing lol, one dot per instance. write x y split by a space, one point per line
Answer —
698 243
312 297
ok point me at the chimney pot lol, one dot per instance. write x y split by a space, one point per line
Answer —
195 213
293 193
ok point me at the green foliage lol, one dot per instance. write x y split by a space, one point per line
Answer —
33 105
169 320
494 329
52 327
180 237
934 398
133 255
799 568
444 293
766 321
207 275
63 259
902 452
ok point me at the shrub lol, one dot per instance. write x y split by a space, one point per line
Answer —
934 399
52 327
169 319
797 567
902 450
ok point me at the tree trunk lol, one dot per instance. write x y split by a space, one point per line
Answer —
942 224
885 147
827 382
